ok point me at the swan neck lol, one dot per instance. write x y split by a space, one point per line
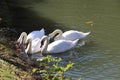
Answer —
29 46
57 32
22 38
59 36
45 46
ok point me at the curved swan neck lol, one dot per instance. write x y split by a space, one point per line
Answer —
22 38
54 33
45 44
29 46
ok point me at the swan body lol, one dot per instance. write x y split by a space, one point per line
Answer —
61 46
58 46
68 35
22 40
33 35
36 34
73 35
33 46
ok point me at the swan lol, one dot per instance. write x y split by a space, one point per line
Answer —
57 46
33 35
36 34
68 35
21 42
33 48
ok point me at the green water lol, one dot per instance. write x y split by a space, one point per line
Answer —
99 58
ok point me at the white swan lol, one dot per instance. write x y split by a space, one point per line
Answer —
57 46
33 35
68 35
36 34
34 48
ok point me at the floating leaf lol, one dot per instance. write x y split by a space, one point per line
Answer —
90 22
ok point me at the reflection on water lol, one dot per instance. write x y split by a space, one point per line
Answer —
99 58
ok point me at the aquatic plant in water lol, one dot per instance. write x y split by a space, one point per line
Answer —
51 69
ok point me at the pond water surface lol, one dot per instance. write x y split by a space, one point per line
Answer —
99 58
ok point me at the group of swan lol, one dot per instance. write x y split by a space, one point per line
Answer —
38 42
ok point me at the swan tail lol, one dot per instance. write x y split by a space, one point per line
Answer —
87 33
42 30
76 41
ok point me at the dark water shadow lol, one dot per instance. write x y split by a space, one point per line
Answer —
24 19
23 2
29 20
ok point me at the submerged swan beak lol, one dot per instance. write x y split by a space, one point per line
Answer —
17 45
20 47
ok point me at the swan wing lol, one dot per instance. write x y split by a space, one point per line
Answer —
59 46
36 45
36 34
73 35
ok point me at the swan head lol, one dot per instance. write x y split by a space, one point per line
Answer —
21 41
17 45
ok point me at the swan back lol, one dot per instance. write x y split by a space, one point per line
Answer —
73 35
36 34
61 46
